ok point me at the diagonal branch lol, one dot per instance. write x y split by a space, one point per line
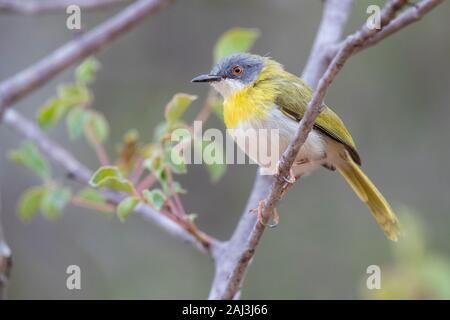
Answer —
233 261
411 15
334 18
80 173
229 277
24 82
30 7
404 19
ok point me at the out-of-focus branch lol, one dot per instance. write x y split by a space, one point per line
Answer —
79 172
229 276
30 7
13 89
5 259
334 18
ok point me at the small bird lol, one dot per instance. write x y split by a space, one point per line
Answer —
259 94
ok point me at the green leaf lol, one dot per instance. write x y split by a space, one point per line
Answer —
29 156
87 70
104 172
50 113
177 106
155 162
116 184
92 195
155 198
54 201
96 128
126 207
30 202
235 40
110 177
75 122
74 94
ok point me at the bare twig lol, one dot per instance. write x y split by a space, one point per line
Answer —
101 207
347 48
30 7
146 183
238 252
24 82
79 172
229 276
101 153
404 19
334 18
411 15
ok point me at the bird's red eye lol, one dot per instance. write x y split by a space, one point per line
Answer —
237 70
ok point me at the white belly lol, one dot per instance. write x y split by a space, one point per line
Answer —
273 135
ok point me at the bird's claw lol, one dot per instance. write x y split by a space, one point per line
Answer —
291 179
259 211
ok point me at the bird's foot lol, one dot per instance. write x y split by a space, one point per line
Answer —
275 217
291 179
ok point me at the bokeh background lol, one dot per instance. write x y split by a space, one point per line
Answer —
394 98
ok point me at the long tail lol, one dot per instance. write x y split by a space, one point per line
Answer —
369 194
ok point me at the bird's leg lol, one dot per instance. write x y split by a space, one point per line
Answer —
292 178
289 179
259 211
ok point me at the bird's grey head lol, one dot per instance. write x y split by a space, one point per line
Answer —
233 73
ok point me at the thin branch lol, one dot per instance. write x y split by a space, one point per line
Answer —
334 18
146 183
324 51
79 172
101 153
229 276
93 205
15 88
404 19
5 259
410 15
232 263
30 7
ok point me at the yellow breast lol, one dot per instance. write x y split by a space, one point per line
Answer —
247 104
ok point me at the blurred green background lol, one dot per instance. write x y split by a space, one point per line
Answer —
394 98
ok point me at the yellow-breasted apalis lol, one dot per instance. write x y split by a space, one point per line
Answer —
259 94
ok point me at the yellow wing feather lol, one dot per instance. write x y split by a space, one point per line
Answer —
293 96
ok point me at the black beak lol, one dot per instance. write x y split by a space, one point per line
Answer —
207 78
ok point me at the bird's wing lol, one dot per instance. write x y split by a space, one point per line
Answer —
293 98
